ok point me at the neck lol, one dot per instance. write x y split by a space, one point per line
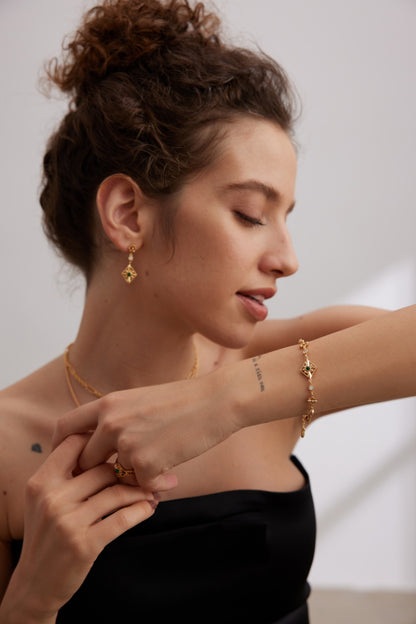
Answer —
121 345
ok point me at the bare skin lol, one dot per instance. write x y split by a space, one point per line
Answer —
255 457
231 237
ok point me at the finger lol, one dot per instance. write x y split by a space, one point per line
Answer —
88 483
129 480
64 459
83 419
112 499
162 483
98 449
154 482
113 526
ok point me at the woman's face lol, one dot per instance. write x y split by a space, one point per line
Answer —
231 237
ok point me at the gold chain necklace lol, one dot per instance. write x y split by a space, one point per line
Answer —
70 370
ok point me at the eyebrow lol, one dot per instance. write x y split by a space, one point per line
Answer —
270 193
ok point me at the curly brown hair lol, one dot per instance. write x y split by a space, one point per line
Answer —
148 82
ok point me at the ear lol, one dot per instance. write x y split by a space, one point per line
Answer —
121 207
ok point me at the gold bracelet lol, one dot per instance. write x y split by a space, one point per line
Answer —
308 369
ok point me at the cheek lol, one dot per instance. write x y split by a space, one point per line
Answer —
210 254
199 246
217 260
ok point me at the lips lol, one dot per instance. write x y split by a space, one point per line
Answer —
253 301
259 298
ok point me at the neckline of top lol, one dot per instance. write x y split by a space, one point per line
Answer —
247 492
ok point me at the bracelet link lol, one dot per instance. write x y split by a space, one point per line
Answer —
308 369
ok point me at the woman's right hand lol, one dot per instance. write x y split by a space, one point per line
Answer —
68 521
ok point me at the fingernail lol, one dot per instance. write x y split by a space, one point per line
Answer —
153 504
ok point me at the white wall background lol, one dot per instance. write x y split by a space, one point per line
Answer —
354 229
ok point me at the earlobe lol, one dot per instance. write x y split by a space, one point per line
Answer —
119 201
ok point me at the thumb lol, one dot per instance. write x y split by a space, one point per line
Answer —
162 483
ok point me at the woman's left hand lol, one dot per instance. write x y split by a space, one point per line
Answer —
155 428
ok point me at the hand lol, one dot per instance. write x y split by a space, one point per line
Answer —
68 521
155 428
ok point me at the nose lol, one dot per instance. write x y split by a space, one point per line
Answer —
280 258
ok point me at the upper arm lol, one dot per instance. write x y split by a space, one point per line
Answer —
5 539
8 454
276 334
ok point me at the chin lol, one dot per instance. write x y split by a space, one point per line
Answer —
236 337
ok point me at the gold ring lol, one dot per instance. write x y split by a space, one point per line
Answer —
121 472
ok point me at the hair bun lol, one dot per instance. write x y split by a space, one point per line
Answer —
151 86
118 34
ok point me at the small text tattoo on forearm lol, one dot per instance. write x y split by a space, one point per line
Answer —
259 374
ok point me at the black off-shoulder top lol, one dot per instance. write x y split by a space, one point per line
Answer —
241 557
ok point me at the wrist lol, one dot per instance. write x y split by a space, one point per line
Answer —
235 386
16 613
267 387
223 398
250 389
19 605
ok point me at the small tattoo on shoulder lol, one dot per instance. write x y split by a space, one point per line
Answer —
259 374
36 448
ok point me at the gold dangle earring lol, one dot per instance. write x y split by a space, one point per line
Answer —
129 273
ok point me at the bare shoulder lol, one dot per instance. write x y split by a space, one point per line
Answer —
27 405
277 334
28 412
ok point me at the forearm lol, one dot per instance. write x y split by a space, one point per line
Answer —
173 423
371 362
16 608
21 603
19 615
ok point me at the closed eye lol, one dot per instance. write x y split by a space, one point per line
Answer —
248 221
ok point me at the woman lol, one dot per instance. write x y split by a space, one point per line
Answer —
170 190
